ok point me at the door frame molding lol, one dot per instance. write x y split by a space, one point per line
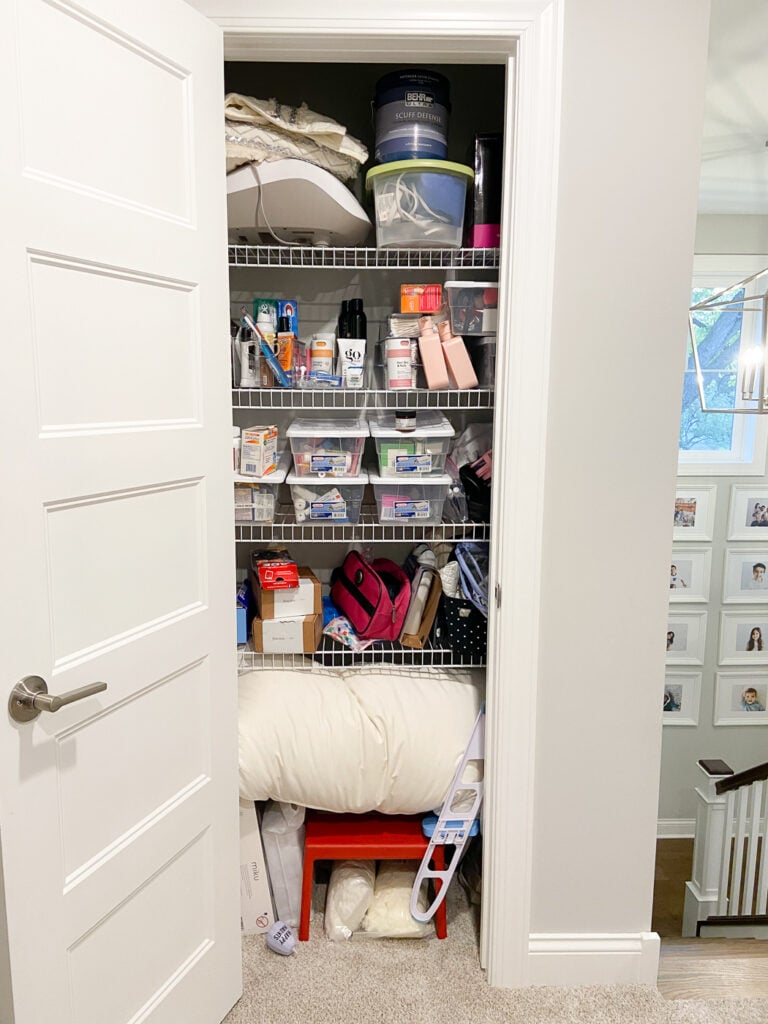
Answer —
526 35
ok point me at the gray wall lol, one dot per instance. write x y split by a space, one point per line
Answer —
741 746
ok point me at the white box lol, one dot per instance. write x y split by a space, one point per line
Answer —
256 910
258 451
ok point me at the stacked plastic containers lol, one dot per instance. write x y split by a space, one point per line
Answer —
411 483
419 195
328 479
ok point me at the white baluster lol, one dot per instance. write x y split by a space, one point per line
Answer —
756 800
701 892
725 855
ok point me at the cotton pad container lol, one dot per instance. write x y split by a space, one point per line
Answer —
419 203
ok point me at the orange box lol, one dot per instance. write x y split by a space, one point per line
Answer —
420 298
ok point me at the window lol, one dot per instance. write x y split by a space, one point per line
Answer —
719 443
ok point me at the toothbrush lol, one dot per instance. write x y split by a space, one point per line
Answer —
280 375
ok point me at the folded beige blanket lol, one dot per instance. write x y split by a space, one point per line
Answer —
262 130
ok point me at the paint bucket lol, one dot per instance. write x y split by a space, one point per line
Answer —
411 114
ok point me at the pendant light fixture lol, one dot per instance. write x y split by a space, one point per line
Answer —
748 298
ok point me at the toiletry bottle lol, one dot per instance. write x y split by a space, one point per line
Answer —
457 358
266 325
357 322
432 358
343 325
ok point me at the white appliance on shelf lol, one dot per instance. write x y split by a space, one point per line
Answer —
301 203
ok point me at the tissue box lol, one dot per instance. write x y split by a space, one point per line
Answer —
297 602
287 636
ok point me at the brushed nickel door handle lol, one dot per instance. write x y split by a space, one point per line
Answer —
30 696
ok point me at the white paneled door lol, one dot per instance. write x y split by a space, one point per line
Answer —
118 811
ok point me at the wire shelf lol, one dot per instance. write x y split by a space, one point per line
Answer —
331 655
368 530
361 258
327 398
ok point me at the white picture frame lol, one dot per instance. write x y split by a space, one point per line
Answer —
731 702
688 632
748 513
745 575
682 696
737 644
689 575
694 513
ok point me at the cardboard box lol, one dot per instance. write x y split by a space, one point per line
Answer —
256 910
306 599
258 451
287 636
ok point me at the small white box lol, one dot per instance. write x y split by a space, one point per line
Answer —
258 451
256 910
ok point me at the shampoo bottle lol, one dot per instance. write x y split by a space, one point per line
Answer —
457 358
432 358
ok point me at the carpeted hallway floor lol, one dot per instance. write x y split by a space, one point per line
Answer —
393 981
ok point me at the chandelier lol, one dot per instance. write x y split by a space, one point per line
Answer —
750 366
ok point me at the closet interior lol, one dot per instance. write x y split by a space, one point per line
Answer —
331 725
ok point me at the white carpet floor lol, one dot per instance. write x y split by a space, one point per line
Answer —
411 981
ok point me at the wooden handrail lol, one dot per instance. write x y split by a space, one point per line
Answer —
757 774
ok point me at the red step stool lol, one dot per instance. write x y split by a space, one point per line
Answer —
364 837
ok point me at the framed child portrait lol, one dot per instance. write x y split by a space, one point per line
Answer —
748 513
686 633
682 693
744 638
689 574
745 576
741 698
694 513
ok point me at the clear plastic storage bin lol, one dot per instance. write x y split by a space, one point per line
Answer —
327 447
419 203
420 451
331 500
473 306
408 500
256 496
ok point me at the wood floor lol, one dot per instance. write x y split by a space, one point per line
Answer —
699 968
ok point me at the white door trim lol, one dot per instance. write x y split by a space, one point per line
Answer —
528 33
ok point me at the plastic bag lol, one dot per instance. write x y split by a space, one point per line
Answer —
350 893
389 915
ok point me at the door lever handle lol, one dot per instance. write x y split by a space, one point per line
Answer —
30 696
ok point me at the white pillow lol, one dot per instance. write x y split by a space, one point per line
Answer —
387 739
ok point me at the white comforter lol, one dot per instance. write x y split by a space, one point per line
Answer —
388 739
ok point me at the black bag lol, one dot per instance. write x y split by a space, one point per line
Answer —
460 626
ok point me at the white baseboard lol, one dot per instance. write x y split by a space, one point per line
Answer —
675 828
593 959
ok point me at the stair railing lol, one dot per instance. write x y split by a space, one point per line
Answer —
730 854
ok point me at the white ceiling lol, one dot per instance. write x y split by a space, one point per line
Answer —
734 156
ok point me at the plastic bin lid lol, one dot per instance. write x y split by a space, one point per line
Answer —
410 479
277 476
428 424
314 480
471 284
398 166
327 428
